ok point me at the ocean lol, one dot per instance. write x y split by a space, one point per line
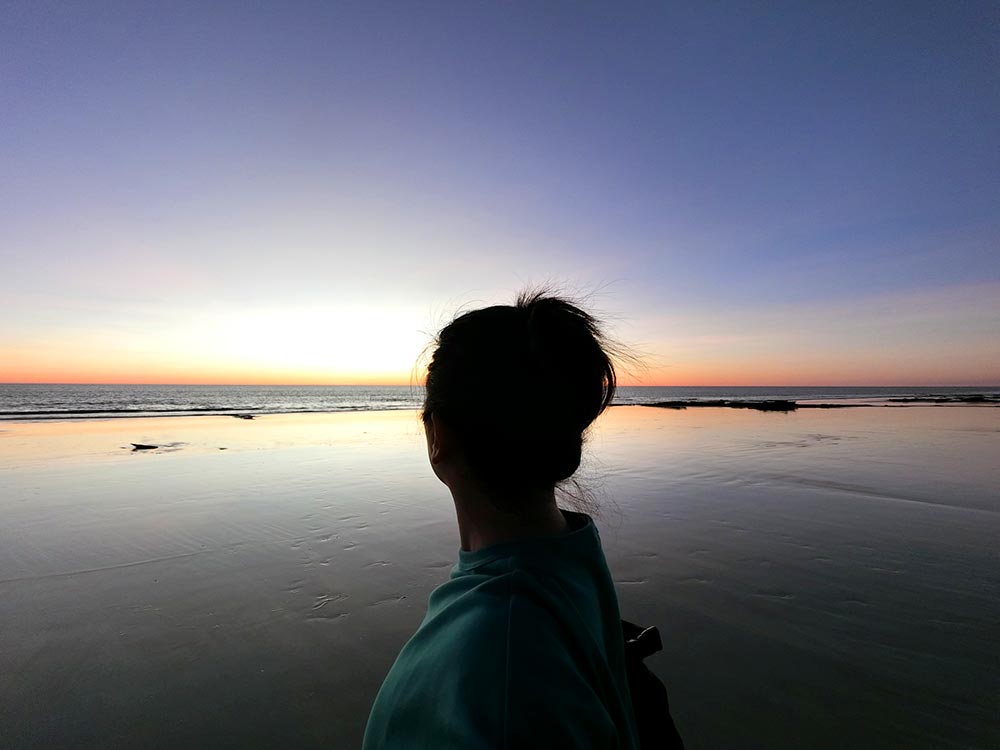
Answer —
41 401
823 578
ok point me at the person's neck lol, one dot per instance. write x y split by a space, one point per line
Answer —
482 523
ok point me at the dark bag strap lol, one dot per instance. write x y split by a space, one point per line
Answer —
649 695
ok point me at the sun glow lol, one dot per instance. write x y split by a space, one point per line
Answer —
317 340
328 345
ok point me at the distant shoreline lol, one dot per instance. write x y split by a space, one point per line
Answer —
770 405
784 405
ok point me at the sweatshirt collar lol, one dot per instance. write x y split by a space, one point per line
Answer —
581 529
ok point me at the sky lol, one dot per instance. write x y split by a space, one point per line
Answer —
749 193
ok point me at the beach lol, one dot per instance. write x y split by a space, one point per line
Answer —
821 578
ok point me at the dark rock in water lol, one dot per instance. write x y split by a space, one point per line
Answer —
686 404
243 416
973 398
767 405
143 447
772 405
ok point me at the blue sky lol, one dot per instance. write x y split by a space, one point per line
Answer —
763 192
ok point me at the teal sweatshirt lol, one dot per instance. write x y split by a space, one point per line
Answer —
520 648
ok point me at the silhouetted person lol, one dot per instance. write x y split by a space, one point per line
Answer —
523 646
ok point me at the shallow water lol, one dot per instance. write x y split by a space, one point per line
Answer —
821 579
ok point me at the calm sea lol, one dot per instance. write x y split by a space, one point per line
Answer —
58 401
821 579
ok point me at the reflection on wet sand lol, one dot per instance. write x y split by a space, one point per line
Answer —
821 578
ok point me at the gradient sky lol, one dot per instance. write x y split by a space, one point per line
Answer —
758 193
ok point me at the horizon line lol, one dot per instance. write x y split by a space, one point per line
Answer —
418 385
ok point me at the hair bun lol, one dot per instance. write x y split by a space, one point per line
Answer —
520 384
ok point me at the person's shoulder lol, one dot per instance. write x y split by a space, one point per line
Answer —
551 696
515 633
477 594
488 598
468 616
477 619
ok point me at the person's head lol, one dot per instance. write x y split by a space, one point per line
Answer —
514 387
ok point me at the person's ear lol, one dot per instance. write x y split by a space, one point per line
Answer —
436 440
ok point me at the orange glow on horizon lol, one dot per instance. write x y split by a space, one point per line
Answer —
80 362
208 378
193 374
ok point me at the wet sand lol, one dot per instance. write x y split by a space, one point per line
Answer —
824 578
